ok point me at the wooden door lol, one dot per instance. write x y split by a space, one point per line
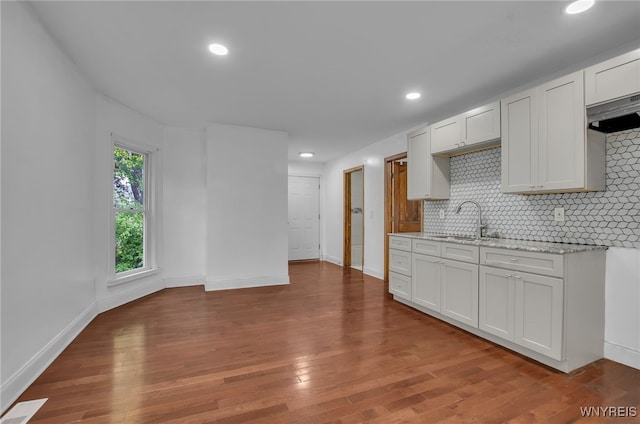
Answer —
304 218
353 214
406 214
395 199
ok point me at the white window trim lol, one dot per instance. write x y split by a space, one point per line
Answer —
151 227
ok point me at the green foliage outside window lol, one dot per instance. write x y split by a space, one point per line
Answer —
128 199
129 241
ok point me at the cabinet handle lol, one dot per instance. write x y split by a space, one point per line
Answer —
462 143
514 259
509 275
518 277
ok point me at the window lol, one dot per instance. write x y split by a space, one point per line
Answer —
132 218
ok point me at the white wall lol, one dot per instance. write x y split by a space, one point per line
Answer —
622 306
47 200
113 117
247 234
373 159
184 207
306 169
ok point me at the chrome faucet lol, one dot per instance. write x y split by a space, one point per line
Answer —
479 226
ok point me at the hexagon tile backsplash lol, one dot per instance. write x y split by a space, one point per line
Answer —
607 218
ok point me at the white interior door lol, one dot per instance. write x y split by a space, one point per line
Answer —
304 218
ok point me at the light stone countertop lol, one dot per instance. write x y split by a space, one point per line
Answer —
530 246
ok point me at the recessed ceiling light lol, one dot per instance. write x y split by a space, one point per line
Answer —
306 154
578 6
413 96
218 49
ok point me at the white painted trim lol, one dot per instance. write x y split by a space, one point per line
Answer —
20 381
132 275
622 354
126 296
333 260
241 283
195 280
373 272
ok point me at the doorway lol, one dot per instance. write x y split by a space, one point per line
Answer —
400 215
304 218
353 248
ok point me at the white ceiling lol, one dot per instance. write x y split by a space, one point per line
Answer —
331 74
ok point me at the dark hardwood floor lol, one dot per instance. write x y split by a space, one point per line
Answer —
332 347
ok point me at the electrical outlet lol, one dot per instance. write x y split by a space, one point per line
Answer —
441 213
558 214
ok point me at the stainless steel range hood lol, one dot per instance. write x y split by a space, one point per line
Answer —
614 116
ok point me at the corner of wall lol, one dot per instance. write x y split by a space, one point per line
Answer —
622 354
244 283
36 365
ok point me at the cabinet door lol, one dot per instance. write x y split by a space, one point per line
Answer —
562 133
538 314
427 176
612 79
419 165
426 281
459 291
446 135
400 285
496 310
481 124
519 142
400 261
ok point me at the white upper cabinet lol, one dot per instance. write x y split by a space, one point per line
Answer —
428 176
545 147
446 135
472 130
519 142
613 79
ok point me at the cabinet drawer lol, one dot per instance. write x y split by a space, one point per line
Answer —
427 247
400 285
537 263
461 252
400 261
400 243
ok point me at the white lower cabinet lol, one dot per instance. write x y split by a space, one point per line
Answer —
497 294
400 285
538 314
547 306
400 267
446 286
426 281
459 291
522 308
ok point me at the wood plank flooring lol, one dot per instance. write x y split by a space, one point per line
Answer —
332 347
